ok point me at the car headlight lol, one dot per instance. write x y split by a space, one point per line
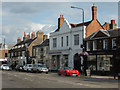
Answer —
68 70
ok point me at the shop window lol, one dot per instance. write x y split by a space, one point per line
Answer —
92 62
104 62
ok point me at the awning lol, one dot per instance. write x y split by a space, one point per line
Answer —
3 60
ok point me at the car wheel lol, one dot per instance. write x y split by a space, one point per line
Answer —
27 70
59 74
37 71
46 72
32 70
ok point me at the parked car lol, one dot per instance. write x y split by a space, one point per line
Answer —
39 68
68 72
44 69
28 67
5 67
19 68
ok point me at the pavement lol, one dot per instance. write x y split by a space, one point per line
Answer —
100 77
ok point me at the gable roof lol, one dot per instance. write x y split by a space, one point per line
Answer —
44 43
109 33
95 33
27 41
80 24
75 25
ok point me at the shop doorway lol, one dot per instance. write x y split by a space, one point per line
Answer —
77 62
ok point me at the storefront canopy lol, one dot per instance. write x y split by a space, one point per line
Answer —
3 60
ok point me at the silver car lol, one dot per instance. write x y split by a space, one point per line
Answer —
39 68
28 67
5 67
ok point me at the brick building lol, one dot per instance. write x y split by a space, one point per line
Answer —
103 47
71 34
3 53
21 53
41 53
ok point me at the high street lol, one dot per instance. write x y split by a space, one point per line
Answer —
13 79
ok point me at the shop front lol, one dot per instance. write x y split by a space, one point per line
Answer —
101 63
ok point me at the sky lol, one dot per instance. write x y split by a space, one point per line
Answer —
20 17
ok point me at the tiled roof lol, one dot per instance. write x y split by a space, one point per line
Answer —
109 33
27 41
80 24
44 43
77 25
114 32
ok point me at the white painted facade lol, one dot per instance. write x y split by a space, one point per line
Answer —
69 50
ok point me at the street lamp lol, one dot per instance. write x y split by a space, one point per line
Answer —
82 46
84 54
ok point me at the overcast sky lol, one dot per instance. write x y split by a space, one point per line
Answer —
20 17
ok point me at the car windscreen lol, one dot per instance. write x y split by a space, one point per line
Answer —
30 65
40 66
68 68
5 65
43 66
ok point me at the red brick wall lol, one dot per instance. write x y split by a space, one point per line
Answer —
93 27
2 53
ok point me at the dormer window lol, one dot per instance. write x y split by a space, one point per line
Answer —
114 43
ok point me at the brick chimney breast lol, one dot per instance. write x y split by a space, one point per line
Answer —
60 21
113 25
112 21
39 33
45 37
18 40
94 12
33 35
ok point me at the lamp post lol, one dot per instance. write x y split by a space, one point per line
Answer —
83 54
82 46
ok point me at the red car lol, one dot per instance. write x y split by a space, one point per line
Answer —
68 72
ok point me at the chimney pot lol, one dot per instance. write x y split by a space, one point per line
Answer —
112 21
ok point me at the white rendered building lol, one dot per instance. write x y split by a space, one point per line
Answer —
65 45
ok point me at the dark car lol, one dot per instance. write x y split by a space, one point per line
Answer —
19 68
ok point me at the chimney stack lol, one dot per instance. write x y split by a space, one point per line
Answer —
18 40
25 37
28 36
106 26
39 35
60 21
113 25
94 12
45 37
33 35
